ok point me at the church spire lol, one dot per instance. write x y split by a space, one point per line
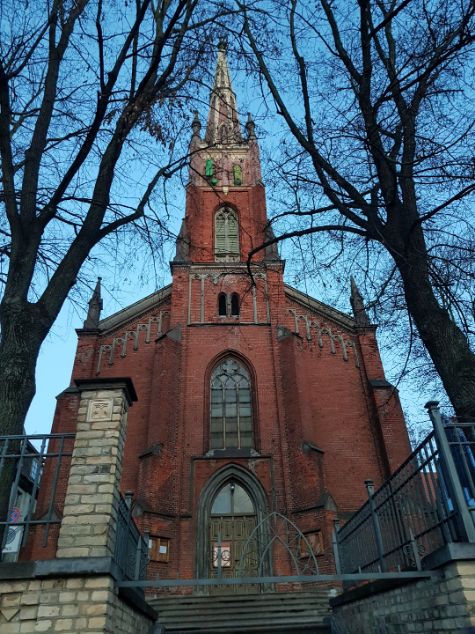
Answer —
223 121
357 303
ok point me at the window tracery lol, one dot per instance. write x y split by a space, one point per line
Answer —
231 425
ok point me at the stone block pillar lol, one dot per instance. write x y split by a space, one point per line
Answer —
90 508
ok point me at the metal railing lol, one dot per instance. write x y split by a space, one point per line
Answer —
428 502
131 546
24 460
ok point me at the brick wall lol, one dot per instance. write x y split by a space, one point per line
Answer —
311 386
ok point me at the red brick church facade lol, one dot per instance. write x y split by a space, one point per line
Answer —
252 397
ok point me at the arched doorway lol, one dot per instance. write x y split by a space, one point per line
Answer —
232 520
232 504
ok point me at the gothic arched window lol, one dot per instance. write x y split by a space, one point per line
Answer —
235 305
232 499
230 406
222 305
226 235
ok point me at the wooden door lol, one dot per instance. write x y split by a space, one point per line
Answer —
232 533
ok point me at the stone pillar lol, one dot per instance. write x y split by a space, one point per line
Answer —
90 508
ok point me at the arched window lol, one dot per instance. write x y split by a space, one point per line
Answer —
222 305
232 499
230 407
235 305
226 238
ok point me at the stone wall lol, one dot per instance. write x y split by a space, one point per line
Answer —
76 605
445 604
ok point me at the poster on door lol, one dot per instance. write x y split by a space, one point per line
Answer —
225 555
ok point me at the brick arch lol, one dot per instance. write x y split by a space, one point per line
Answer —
220 478
254 394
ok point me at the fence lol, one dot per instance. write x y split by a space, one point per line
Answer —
131 547
23 461
428 502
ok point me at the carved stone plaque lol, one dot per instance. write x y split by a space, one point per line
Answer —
99 409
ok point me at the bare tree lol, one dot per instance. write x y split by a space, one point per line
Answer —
91 94
378 99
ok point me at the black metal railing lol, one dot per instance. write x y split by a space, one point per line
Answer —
26 460
131 546
428 502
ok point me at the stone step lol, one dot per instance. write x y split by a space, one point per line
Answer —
278 597
216 605
217 609
188 616
282 612
293 627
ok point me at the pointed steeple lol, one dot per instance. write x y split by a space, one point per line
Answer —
95 306
357 303
223 121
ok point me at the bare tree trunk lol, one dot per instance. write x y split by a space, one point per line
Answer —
445 342
22 336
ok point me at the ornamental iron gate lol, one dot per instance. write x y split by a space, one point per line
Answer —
278 539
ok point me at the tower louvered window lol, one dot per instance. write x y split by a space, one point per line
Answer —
226 241
230 407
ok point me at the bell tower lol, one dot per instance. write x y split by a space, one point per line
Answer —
225 219
225 212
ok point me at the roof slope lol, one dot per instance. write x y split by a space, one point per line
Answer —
135 310
324 310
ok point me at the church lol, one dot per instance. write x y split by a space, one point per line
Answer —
252 398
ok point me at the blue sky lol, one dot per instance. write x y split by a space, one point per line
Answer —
129 282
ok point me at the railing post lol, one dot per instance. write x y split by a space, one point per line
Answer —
376 525
335 544
138 558
146 554
415 550
219 555
453 482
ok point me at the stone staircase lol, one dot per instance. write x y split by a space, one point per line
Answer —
282 612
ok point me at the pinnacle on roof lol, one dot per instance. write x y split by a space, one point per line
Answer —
223 121
95 306
357 303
